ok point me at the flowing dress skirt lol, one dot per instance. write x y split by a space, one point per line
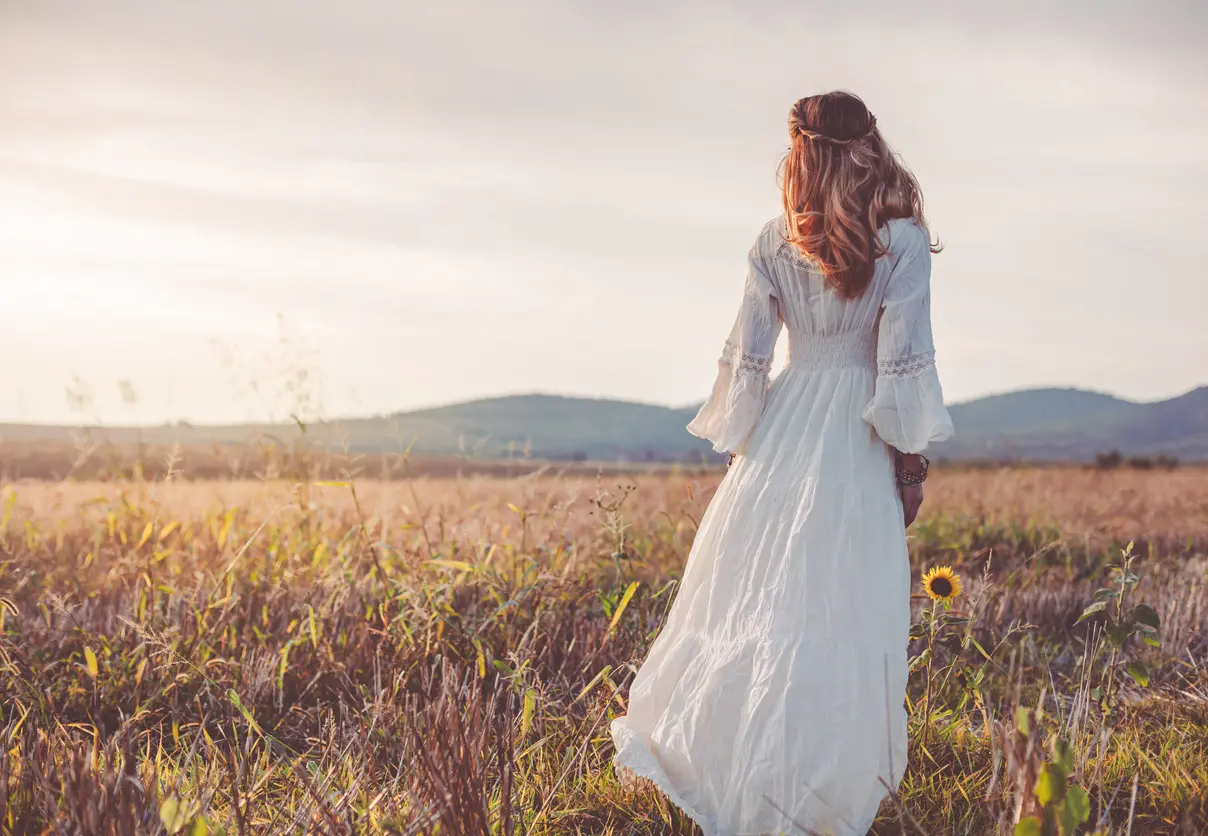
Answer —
772 699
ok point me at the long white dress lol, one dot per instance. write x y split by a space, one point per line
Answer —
772 699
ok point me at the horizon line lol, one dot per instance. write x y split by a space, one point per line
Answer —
524 394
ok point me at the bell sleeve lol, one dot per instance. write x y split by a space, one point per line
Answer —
730 415
907 409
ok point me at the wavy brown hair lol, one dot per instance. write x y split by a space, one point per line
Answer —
841 183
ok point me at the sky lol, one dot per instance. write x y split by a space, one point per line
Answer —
234 210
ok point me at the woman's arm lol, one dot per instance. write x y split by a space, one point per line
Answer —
729 416
907 408
912 494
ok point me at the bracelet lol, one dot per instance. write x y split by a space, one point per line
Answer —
912 479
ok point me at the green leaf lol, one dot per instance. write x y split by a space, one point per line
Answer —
1098 606
1138 672
247 715
201 827
1105 594
920 660
1127 579
173 815
1075 810
1063 755
1146 615
1118 634
607 669
1150 636
952 642
1023 719
980 649
530 702
1050 786
1028 827
1096 693
90 663
616 616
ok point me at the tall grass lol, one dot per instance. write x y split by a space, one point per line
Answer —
429 656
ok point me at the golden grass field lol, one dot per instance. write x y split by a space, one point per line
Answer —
442 655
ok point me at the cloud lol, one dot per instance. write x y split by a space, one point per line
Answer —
520 174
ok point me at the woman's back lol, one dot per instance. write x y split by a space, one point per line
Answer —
809 305
728 715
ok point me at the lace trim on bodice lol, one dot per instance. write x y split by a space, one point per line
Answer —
747 362
912 366
789 252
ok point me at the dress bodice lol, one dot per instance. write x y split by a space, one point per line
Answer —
885 330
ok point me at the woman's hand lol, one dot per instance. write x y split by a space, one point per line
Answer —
912 500
912 495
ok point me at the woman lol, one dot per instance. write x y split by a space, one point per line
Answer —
772 699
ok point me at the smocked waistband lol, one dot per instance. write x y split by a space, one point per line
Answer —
835 351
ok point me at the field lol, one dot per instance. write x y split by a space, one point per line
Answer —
443 655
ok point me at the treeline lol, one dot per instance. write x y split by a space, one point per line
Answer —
1114 459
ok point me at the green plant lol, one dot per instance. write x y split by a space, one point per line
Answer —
1121 625
1064 806
939 626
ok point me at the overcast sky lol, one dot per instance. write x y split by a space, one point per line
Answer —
422 202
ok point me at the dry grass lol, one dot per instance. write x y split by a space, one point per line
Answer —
443 656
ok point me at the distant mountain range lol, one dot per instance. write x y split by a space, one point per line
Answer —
1035 424
1048 424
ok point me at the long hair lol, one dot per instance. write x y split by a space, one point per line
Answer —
841 183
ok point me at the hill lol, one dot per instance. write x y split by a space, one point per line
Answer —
1047 424
1035 424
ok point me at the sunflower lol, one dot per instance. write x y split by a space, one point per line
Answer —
942 584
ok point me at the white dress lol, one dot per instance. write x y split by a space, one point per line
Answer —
772 700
